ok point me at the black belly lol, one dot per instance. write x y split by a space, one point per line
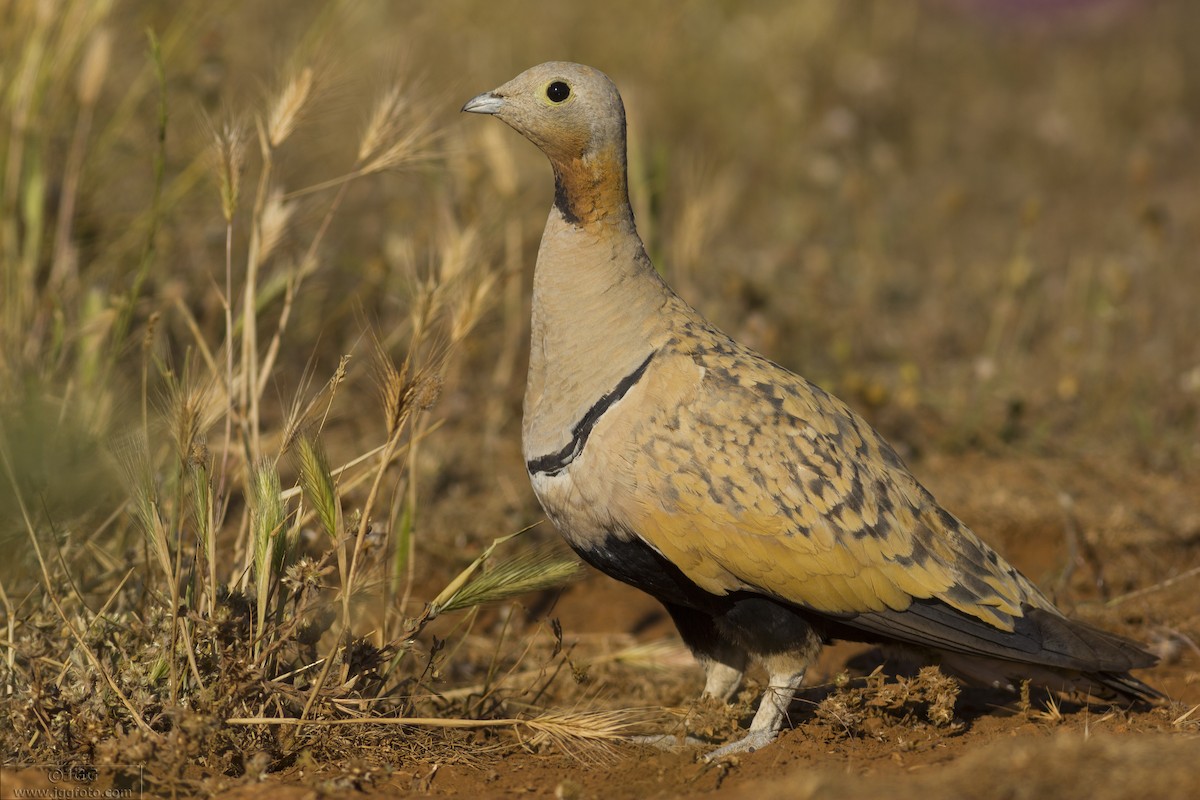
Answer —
762 624
634 562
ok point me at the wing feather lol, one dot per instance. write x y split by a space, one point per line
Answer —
755 479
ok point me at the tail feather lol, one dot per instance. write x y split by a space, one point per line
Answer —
1080 646
1038 637
1087 686
1051 650
1128 687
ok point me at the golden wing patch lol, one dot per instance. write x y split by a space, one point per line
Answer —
747 483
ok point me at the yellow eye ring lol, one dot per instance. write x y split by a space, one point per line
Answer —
558 92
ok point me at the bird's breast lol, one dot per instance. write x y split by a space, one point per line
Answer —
590 480
576 468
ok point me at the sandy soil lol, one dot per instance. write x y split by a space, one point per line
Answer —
1105 542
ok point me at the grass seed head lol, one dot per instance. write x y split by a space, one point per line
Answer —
589 736
267 535
316 479
276 215
288 105
229 160
529 572
386 122
192 406
132 453
398 133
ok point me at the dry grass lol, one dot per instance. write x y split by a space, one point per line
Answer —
234 609
865 707
264 315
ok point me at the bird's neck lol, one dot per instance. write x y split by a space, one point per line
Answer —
592 188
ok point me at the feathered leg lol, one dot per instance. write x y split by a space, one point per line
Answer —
723 661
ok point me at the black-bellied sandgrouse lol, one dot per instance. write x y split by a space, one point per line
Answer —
762 512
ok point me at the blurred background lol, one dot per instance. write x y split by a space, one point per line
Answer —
228 229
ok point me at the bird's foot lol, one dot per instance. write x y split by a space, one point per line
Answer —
747 744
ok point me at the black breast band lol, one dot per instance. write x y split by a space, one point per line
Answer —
554 463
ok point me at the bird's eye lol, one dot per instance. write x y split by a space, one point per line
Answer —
558 92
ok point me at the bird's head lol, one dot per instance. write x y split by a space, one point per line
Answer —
569 110
575 115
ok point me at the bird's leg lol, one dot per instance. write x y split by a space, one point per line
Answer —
723 661
722 672
722 679
769 718
724 664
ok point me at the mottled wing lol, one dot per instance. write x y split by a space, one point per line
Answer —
750 478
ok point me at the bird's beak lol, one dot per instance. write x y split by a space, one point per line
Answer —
486 103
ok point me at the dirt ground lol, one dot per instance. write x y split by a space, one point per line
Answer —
1107 542
1117 549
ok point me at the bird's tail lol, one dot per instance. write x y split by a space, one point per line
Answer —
1125 686
1112 687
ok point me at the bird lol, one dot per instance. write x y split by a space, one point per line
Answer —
765 515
